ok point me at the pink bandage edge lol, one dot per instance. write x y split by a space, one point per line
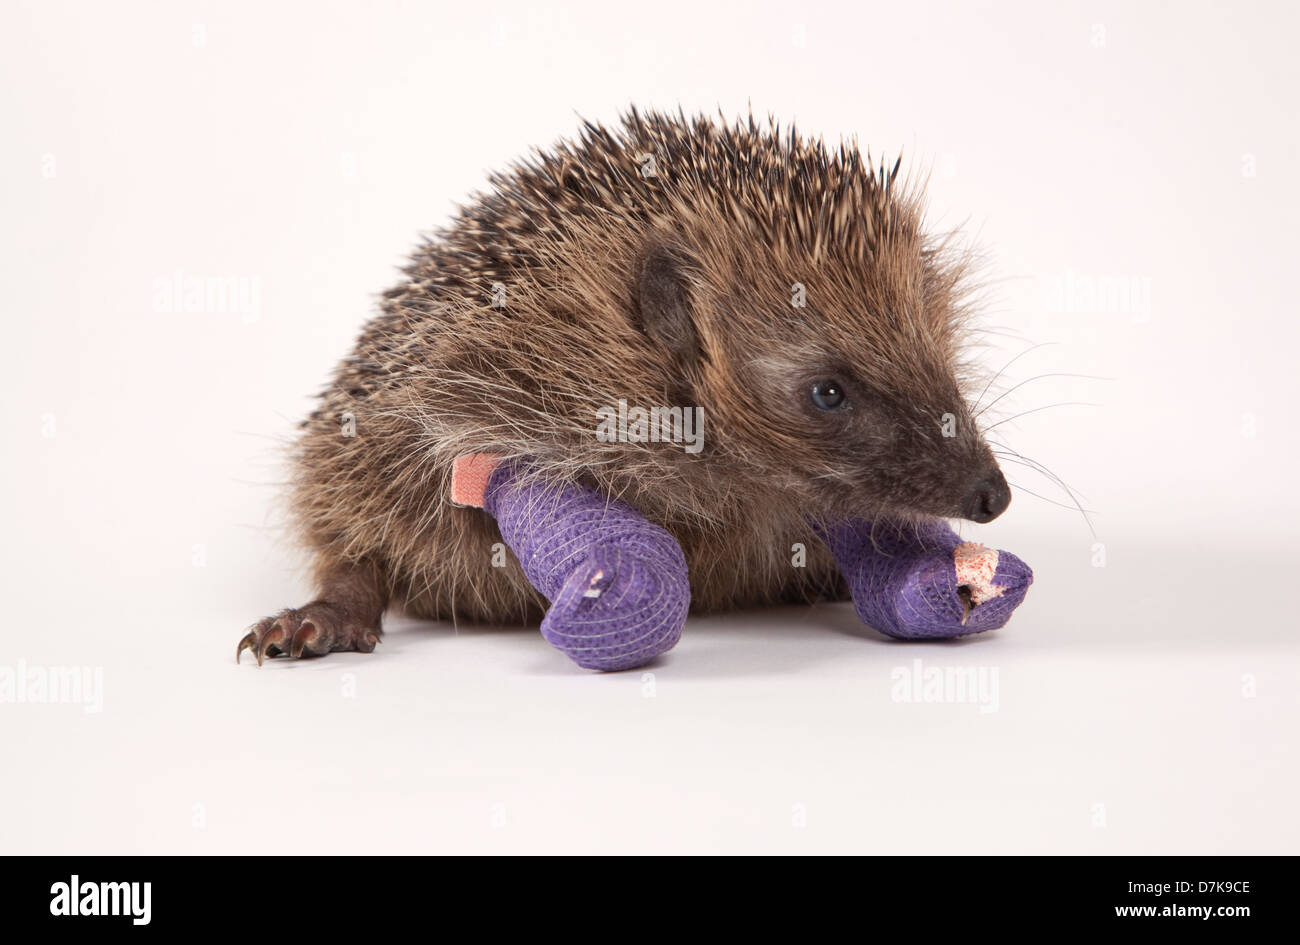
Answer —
976 566
469 478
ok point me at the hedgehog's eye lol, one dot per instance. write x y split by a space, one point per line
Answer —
827 395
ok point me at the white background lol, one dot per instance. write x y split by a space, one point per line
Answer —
1148 705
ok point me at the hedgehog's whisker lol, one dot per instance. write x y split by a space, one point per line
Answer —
1011 456
993 379
1036 377
1025 413
1009 453
1064 505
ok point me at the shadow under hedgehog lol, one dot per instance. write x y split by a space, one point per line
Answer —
782 293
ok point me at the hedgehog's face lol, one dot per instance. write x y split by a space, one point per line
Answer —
850 405
865 443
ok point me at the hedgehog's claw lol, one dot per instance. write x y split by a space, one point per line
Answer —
302 639
313 630
966 603
269 641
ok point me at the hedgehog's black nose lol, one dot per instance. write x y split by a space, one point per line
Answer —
988 499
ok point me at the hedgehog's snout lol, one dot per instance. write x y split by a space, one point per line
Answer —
988 497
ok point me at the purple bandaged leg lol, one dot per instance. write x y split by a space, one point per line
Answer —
922 581
618 585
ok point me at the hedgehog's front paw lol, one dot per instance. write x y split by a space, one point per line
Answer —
944 593
312 630
618 610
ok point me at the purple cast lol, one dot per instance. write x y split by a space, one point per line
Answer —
904 582
618 585
620 591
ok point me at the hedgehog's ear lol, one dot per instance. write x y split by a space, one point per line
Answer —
664 305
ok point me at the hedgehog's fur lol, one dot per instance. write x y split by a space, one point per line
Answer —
741 213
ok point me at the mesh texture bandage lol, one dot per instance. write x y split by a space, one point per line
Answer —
620 592
618 585
904 579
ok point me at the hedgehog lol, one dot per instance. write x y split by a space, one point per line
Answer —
683 365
